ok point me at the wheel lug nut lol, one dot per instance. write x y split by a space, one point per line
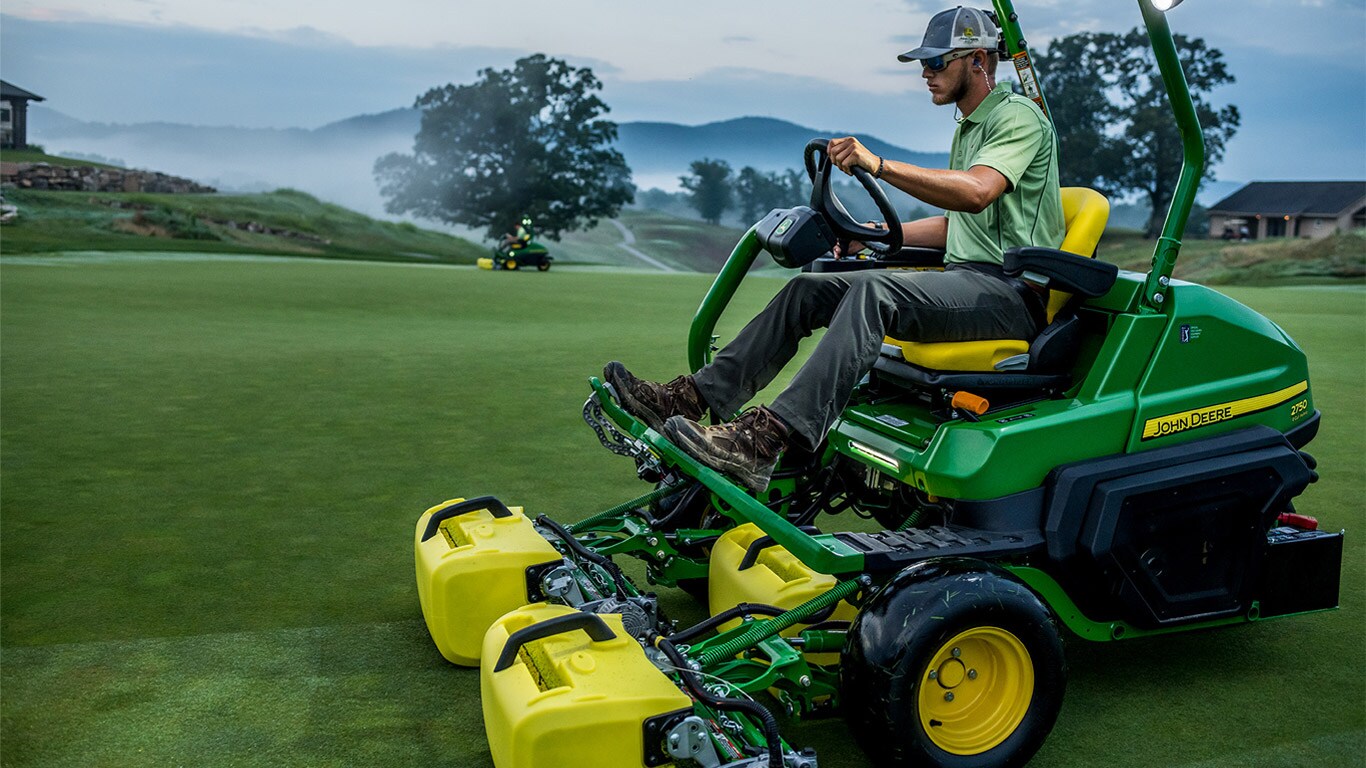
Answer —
934 674
956 653
948 696
972 674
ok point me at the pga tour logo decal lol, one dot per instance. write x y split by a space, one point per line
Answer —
1189 333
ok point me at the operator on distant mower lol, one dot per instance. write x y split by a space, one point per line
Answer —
1000 191
521 238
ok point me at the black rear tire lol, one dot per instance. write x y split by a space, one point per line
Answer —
954 663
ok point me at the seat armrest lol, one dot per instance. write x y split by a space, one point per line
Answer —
1064 271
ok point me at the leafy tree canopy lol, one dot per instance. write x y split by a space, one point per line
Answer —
1115 127
759 192
529 140
709 188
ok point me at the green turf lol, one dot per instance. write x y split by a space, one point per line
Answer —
212 467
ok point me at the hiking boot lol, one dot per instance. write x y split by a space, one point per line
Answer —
655 403
745 449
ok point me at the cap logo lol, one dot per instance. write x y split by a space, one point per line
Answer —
969 32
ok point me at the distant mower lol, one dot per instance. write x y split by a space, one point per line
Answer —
533 254
1128 473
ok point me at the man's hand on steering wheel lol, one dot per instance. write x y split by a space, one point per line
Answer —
848 152
818 161
850 247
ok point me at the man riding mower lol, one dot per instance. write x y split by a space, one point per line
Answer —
1123 467
518 249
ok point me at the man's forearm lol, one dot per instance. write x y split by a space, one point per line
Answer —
926 233
971 191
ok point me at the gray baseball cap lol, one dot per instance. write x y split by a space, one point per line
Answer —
954 29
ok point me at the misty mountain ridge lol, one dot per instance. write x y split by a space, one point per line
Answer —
335 161
764 143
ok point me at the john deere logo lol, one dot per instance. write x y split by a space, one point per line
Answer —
969 32
784 226
1213 414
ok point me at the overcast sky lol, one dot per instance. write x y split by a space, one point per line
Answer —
1300 64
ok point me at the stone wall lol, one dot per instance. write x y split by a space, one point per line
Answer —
86 178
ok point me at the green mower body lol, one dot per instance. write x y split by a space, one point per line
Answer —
533 254
1205 366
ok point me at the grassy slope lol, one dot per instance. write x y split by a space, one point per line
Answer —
79 221
211 470
53 221
1338 258
681 243
35 156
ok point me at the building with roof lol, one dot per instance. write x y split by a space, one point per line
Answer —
14 115
1309 209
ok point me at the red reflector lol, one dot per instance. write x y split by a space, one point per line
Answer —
1299 521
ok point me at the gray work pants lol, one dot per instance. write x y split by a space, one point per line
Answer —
859 308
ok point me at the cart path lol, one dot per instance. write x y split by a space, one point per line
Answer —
628 241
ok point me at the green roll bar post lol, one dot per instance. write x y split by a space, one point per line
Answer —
717 298
1018 50
1192 162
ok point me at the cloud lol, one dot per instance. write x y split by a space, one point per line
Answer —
302 78
301 36
1298 121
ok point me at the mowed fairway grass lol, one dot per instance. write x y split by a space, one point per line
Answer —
212 468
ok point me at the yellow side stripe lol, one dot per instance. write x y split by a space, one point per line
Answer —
1213 414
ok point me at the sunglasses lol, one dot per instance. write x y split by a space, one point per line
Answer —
938 63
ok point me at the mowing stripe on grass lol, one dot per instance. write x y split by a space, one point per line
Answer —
364 694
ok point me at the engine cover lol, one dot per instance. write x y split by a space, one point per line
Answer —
1172 536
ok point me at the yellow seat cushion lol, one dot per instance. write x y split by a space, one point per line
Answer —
960 355
1085 212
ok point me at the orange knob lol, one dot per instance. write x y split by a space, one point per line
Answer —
966 401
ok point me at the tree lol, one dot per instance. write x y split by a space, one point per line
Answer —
1115 127
759 192
528 140
709 188
1080 109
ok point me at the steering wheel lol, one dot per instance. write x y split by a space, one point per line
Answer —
883 242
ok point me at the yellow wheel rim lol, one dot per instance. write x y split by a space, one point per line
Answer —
511 263
976 690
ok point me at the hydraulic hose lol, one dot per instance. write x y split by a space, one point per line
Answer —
735 612
624 588
759 631
768 723
681 506
648 498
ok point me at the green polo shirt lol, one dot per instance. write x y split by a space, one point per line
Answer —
1009 133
